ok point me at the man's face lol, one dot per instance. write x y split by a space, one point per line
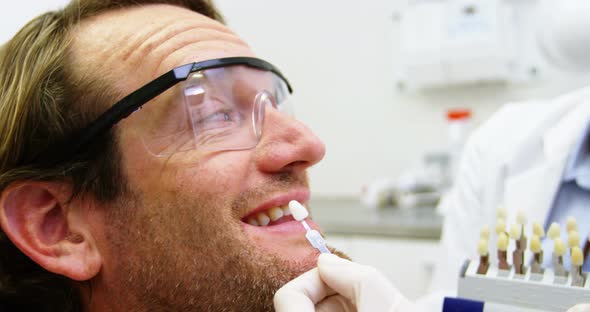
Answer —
180 240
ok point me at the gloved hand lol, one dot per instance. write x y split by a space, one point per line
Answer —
580 308
340 285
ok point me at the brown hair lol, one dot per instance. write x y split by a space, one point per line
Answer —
41 105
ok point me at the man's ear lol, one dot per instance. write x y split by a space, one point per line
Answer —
40 220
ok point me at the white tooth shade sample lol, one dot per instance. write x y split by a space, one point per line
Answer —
298 211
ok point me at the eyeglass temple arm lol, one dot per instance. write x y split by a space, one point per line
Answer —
119 111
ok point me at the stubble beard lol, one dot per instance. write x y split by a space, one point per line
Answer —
175 256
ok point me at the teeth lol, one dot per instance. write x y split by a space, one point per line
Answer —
275 213
286 211
263 219
268 216
252 221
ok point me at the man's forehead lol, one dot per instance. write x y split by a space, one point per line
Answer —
146 41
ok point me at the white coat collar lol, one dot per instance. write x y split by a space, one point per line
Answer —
532 190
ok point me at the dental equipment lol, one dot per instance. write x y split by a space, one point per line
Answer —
315 239
501 288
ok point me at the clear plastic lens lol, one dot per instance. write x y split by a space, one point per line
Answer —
219 109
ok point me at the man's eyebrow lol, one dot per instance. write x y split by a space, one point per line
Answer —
166 101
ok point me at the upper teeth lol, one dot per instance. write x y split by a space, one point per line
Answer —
265 217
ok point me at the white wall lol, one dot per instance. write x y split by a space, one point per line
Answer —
339 56
18 13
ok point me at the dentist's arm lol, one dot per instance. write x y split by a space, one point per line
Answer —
340 285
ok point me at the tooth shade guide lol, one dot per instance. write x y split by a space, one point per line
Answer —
538 230
515 231
577 256
482 247
558 247
578 277
518 253
484 257
536 248
500 226
554 231
502 253
298 211
518 262
557 260
556 275
502 242
571 224
573 239
535 244
502 260
484 264
509 293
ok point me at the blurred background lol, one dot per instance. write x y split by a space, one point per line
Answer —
393 88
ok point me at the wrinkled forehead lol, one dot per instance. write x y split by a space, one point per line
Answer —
132 46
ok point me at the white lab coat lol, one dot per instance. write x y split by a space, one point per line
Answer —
516 160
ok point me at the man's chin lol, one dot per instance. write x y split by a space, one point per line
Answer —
297 258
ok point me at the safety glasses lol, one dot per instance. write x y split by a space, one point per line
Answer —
220 105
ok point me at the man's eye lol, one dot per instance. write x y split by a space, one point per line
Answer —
224 115
220 118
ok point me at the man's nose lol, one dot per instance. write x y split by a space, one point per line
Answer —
287 145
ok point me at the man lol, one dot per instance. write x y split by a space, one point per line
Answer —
174 197
166 209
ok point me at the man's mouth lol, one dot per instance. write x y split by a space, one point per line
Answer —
269 217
